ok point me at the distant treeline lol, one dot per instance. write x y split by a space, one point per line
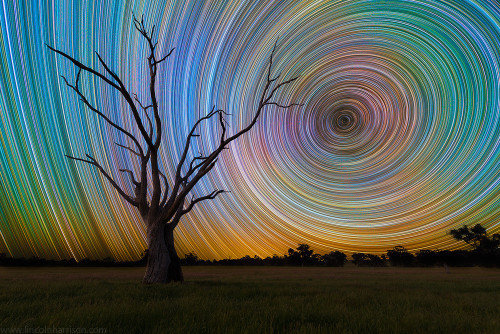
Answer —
40 262
398 256
485 252
301 256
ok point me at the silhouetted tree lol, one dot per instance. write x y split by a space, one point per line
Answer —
367 260
456 258
376 261
275 260
477 238
359 258
485 249
471 236
162 204
334 259
293 257
305 253
190 259
302 256
426 257
399 256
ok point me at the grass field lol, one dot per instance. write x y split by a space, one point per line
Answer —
252 300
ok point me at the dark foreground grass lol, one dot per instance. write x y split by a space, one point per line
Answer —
252 300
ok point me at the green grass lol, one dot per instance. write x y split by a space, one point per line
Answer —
254 300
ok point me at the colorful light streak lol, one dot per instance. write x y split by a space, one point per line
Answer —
396 144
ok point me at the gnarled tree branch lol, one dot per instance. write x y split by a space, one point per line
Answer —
200 170
119 87
194 201
83 98
94 163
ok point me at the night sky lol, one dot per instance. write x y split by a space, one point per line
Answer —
396 143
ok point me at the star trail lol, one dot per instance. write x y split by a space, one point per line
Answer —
396 143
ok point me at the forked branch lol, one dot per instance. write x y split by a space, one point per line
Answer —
119 86
152 64
83 98
94 163
184 184
265 99
194 201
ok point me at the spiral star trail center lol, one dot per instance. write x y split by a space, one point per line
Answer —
345 121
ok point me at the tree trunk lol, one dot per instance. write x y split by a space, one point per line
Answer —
174 270
158 255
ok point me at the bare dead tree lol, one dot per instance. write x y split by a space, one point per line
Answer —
168 202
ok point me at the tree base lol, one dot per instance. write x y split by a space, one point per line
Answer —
173 274
157 268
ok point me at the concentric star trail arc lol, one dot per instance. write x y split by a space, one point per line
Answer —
396 142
